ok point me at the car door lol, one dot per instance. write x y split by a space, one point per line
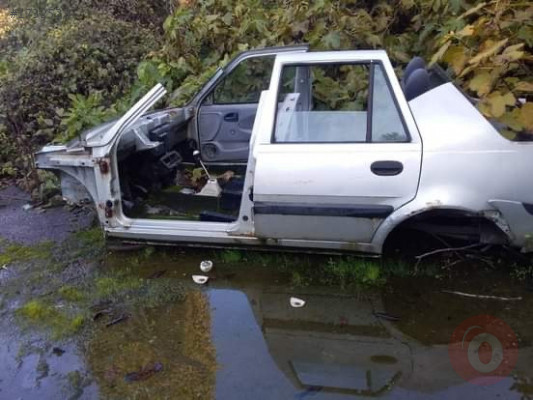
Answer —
226 113
334 170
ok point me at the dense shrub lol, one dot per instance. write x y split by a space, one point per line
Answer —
486 45
88 56
94 54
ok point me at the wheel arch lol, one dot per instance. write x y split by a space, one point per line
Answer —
488 228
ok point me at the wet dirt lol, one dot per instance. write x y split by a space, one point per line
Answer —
237 337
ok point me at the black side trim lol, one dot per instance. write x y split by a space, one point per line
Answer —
528 207
330 210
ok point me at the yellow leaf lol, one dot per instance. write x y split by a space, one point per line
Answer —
456 58
508 134
512 53
466 31
524 86
481 83
485 109
438 55
496 103
512 120
472 10
526 116
493 49
509 99
513 48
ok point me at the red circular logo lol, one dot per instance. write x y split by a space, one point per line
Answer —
483 350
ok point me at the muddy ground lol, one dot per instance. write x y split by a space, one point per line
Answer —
79 321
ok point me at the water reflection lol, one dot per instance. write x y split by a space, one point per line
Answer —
333 348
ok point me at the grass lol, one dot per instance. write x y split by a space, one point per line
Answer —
114 286
60 323
231 256
70 293
342 271
17 252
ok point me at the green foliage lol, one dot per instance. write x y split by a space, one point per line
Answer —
86 65
487 45
488 48
85 112
70 65
231 256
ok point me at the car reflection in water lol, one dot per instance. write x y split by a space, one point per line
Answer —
333 348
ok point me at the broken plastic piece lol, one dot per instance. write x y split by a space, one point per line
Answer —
206 266
296 302
200 279
211 188
187 191
27 207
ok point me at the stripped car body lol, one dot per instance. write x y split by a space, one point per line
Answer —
317 175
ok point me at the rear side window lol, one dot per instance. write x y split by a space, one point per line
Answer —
387 125
336 103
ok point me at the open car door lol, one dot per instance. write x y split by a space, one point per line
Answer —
226 109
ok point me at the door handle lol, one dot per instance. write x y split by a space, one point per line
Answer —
386 168
231 117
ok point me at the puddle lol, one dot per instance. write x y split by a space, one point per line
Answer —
237 337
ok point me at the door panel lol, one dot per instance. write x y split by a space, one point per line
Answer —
311 177
225 131
226 112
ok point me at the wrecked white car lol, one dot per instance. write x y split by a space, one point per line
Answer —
295 149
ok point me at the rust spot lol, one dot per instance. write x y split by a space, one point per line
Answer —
104 166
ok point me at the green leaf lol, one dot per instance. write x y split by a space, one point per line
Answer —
332 40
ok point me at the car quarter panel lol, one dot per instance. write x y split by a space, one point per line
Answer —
466 164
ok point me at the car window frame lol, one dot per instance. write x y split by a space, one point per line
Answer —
221 82
368 138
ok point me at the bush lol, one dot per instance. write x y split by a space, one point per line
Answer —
95 54
487 46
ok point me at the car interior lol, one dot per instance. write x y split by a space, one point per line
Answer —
164 174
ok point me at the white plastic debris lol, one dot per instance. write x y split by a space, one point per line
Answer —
206 266
4 266
296 302
211 189
27 207
200 279
187 191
